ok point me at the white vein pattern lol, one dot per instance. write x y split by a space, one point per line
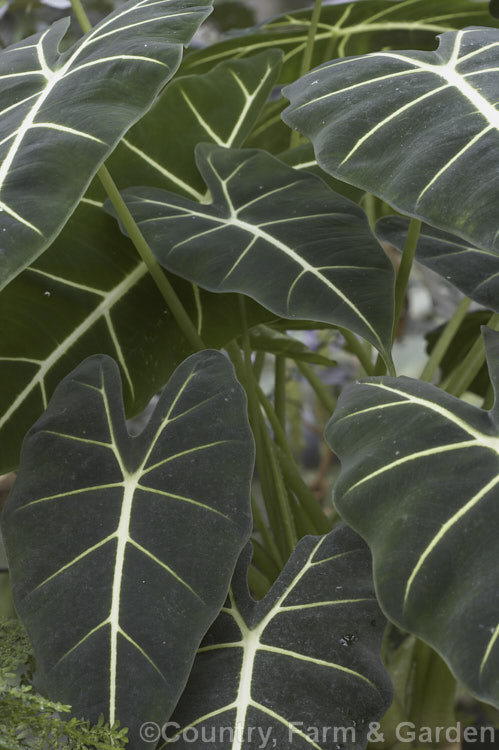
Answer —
347 29
121 537
476 440
252 644
106 301
113 41
243 101
399 96
233 217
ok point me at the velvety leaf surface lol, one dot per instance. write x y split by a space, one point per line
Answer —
89 293
306 657
145 530
302 157
420 482
219 107
419 129
277 235
347 29
71 109
472 270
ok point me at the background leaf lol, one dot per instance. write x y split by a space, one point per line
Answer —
469 331
347 29
377 121
420 482
474 271
147 530
266 339
277 235
91 293
219 107
53 103
308 654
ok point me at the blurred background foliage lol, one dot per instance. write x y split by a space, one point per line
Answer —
21 18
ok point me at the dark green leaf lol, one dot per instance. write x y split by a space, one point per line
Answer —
71 109
302 157
265 339
121 549
418 129
277 235
270 133
475 272
305 659
219 107
420 482
91 293
467 334
347 29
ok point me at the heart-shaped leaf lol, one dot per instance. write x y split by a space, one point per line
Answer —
377 121
300 668
53 105
90 292
472 270
121 549
219 107
420 482
347 29
277 235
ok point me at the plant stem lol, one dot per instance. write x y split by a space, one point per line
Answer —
262 463
264 561
321 391
304 494
258 365
359 350
304 525
170 296
257 582
291 473
463 376
445 340
369 202
488 401
279 434
307 56
405 270
433 691
81 16
280 390
267 537
268 445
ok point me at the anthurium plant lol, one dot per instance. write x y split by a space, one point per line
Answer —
171 218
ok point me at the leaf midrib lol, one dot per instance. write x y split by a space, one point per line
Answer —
112 297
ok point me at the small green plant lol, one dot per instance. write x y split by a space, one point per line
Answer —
29 720
253 188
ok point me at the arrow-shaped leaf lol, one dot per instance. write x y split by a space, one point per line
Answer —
347 29
472 270
71 109
121 549
277 235
220 107
420 482
90 292
378 121
301 668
